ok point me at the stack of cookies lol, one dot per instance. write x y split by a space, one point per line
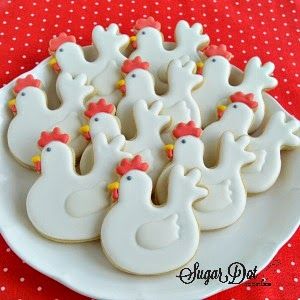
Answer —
152 143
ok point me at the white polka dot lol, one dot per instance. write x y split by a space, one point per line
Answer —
296 279
22 279
7 249
248 288
2 288
39 288
5 270
281 288
278 271
292 262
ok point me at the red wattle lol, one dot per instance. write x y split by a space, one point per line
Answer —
115 195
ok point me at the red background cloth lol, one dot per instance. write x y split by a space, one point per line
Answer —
269 29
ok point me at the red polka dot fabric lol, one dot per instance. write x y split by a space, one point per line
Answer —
267 28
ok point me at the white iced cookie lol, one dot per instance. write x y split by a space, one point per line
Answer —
140 238
277 135
32 114
104 71
178 102
238 121
149 45
62 205
147 143
226 198
216 88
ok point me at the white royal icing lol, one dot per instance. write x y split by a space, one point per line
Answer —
216 87
65 206
147 143
226 198
141 238
278 134
104 71
34 116
188 41
178 102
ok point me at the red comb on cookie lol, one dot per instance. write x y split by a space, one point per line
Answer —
183 129
101 106
127 165
220 50
148 22
132 64
247 99
54 135
59 40
22 83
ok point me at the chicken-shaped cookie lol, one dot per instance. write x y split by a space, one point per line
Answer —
149 45
144 239
178 102
32 114
62 205
278 134
104 71
226 193
216 87
147 143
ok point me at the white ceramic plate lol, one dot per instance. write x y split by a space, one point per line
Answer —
269 221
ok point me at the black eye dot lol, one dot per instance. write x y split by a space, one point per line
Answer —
133 75
23 94
183 141
61 49
96 119
235 106
48 149
143 32
213 60
128 177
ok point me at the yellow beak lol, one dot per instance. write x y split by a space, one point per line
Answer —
133 41
36 160
12 105
54 64
220 110
85 131
114 189
199 65
121 85
169 148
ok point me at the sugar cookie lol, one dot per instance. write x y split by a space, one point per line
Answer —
226 198
178 102
277 135
144 239
216 88
62 205
32 114
149 45
104 71
147 143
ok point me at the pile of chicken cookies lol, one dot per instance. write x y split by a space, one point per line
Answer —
146 149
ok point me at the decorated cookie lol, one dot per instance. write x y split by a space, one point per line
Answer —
104 71
149 45
144 239
178 102
277 135
32 114
226 198
65 206
147 143
216 88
